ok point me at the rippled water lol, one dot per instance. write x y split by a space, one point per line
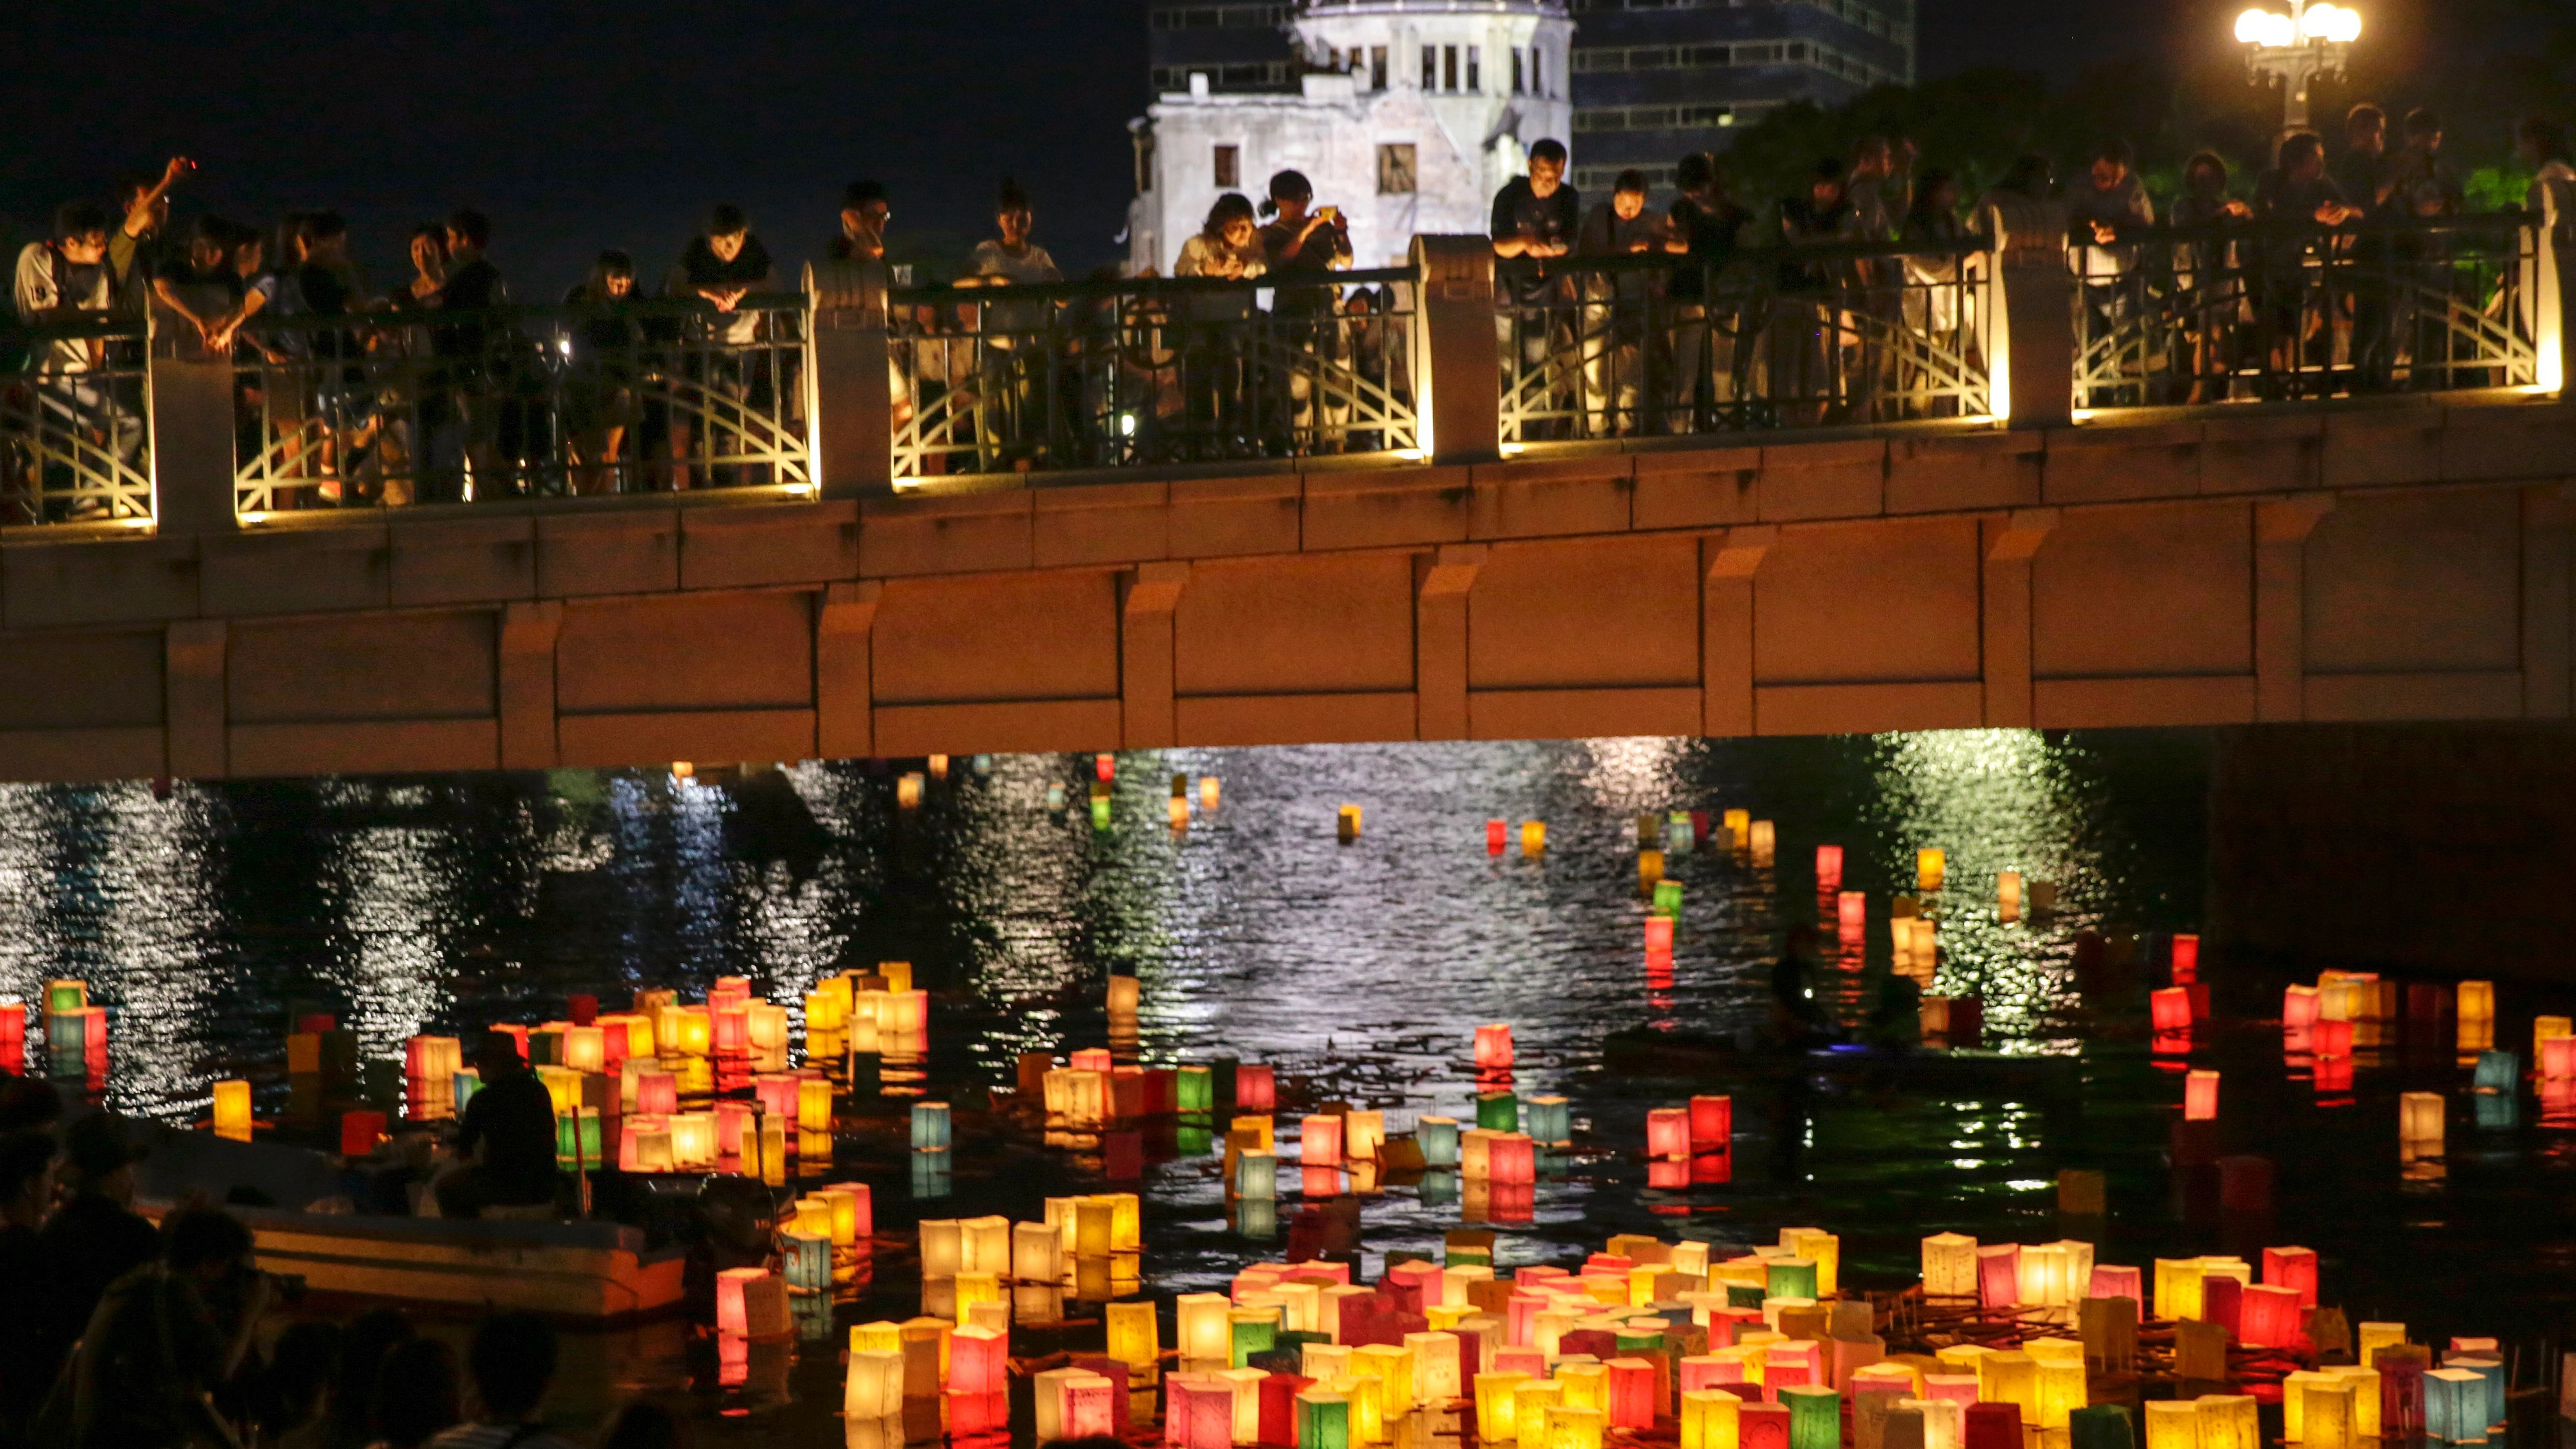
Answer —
415 905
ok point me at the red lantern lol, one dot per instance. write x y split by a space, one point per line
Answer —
360 1132
1279 1410
2222 1301
1766 1426
2170 1008
2186 960
1992 1426
728 991
1494 1047
657 1094
1319 1142
1829 867
977 1361
1659 936
2331 1038
1632 1393
1198 1413
2294 1269
733 1028
2333 1074
1999 1275
585 1010
1090 1059
1668 1132
1256 1088
1511 1159
2298 1007
2557 1057
2268 1318
1851 913
1712 1120
1493 837
1668 1174
1105 767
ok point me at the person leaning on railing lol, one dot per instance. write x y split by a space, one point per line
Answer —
1536 218
1615 305
2293 197
1214 360
1708 328
599 396
59 281
1013 421
1304 245
720 268
1807 334
2209 294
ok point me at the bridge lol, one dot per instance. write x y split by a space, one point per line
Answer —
980 536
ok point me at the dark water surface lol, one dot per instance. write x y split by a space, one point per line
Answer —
1362 969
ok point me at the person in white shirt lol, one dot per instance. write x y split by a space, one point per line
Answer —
59 281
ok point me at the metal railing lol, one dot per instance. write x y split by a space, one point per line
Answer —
2272 312
392 408
75 423
1603 347
1151 370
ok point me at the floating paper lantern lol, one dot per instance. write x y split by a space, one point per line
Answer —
872 1385
984 1245
1323 1419
1202 1329
2420 1122
1829 868
2008 896
930 1129
1437 1139
1650 869
1668 1132
1319 1141
1708 1419
1998 1275
232 1110
1494 1047
2200 1097
1347 824
1659 935
1075 1404
1533 837
2476 1001
1550 1120
1762 838
1573 1428
1256 1087
732 1313
1494 1403
1256 1176
1928 867
1762 1426
808 1261
1950 1266
1363 1135
2170 1009
1511 1158
1851 914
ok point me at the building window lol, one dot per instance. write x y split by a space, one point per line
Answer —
1517 82
1475 59
1377 67
1448 67
1538 82
1395 169
1229 166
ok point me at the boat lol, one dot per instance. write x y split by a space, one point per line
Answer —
1698 1056
576 1273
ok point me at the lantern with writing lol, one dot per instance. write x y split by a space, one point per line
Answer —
1950 1266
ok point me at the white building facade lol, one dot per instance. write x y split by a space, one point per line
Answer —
1410 116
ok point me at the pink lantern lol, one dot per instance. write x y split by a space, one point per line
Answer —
1851 914
2170 1008
1320 1142
776 1093
2299 1006
732 1118
2557 1058
2186 960
1712 1120
2294 1269
1521 1360
1707 1371
977 1361
1958 1389
1086 1408
728 991
1829 867
1632 1393
1668 1132
1198 1413
2110 1281
657 1094
2269 1317
1999 1275
1256 1088
731 1315
1659 935
1090 1059
733 1028
1494 1047
2200 1097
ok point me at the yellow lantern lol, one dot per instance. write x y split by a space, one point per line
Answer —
1928 865
1587 1385
2326 1413
2477 1001
1739 829
2010 1378
1133 1337
1533 837
1765 841
1530 1403
1494 1398
2177 1288
2420 1122
2172 1424
2372 1337
1202 1328
1708 1417
1824 1249
2227 1421
2365 1396
2061 1391
1392 1366
1950 1266
1573 1428
814 1104
232 1110
984 1244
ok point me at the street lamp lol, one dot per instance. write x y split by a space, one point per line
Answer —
2310 41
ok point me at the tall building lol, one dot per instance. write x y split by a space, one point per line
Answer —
1238 46
1655 79
1407 114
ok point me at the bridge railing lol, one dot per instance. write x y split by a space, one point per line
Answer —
1603 347
387 409
2275 312
1019 378
75 423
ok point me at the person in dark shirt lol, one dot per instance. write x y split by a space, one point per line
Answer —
95 1237
2292 199
2365 172
1538 215
600 394
507 1139
27 1367
456 415
1797 1017
1706 322
166 1336
134 253
721 268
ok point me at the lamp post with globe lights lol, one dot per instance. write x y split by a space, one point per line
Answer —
2312 40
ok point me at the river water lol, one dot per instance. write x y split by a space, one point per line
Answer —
206 918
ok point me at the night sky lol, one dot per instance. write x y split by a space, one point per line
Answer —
581 125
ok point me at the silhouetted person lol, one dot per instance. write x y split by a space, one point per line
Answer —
95 1237
512 1363
166 1336
508 1139
27 1364
417 1396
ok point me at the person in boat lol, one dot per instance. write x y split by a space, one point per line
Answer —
507 1140
1798 1019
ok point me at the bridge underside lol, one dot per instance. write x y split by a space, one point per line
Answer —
2406 562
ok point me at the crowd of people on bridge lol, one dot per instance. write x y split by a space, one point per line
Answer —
430 391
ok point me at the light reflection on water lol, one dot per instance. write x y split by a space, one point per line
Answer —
446 903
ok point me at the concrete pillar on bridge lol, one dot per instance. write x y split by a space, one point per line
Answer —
194 715
1459 386
1442 583
2281 529
192 443
844 677
1728 562
1147 720
2031 343
2011 542
527 694
853 392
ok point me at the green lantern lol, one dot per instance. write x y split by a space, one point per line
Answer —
1251 1336
1323 1420
1099 812
1792 1278
2100 1426
1498 1112
1194 1089
1668 897
1815 1416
